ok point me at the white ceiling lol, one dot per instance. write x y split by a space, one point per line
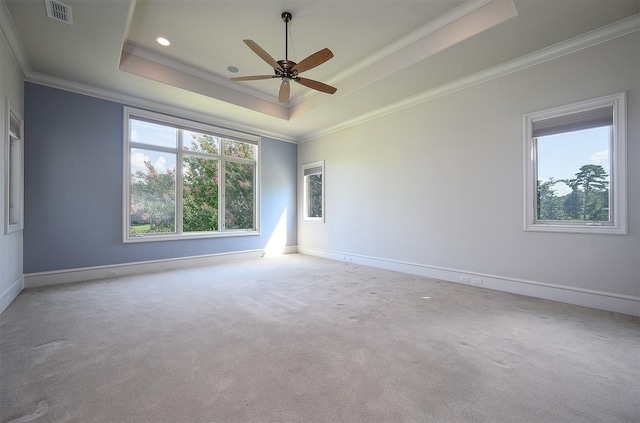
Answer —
385 51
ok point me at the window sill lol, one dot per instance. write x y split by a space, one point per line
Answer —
577 229
179 237
313 219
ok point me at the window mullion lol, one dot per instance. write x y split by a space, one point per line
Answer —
201 154
179 179
613 170
222 180
152 147
534 179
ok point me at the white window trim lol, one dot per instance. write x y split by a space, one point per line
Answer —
207 128
618 173
15 140
305 205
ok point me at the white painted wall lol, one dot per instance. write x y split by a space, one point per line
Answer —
437 189
11 85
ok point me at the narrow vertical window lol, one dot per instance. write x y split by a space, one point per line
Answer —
575 161
14 172
313 183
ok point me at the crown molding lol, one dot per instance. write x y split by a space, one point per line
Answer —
422 32
589 39
425 34
8 30
130 100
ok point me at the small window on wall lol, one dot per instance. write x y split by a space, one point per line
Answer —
313 196
13 170
575 178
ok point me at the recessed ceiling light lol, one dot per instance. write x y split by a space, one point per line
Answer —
163 41
232 69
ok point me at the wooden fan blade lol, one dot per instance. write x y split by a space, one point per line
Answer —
317 58
285 88
263 54
252 78
316 85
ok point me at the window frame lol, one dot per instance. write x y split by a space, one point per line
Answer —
617 173
13 169
305 191
180 123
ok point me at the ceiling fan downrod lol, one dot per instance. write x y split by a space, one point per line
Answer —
286 74
286 17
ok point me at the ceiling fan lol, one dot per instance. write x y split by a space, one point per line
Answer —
288 70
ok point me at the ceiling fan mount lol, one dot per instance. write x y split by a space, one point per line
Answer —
288 70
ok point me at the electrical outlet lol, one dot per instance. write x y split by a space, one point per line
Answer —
464 279
476 281
113 273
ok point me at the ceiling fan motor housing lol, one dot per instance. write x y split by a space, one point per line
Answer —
286 71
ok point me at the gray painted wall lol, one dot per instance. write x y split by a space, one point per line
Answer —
440 184
73 198
11 244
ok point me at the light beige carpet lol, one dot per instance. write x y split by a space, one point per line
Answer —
301 339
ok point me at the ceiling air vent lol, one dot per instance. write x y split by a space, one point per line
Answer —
59 11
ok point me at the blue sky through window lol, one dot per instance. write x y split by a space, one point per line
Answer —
561 156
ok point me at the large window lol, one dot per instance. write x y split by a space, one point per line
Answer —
184 179
575 168
313 195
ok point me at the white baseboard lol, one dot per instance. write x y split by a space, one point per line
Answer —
32 280
11 293
291 249
617 303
